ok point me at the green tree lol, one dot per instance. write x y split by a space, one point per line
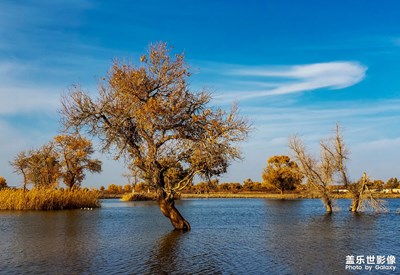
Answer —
282 173
150 116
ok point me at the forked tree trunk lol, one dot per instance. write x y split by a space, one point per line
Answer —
357 192
167 206
354 205
327 202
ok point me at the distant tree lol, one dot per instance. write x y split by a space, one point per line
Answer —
67 157
235 187
127 188
224 187
3 183
102 188
47 171
213 184
257 186
376 184
74 156
151 117
282 173
21 166
133 175
113 189
39 167
392 183
206 187
248 184
142 186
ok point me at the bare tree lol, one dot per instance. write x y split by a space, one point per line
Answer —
337 152
149 115
319 174
332 167
363 197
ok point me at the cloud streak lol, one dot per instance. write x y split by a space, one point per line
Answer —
297 78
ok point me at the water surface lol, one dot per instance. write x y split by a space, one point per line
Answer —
228 236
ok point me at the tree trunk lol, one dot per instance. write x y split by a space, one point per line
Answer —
327 202
354 205
167 206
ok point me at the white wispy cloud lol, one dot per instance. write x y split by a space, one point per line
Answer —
281 80
18 100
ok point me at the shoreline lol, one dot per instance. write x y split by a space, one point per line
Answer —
260 195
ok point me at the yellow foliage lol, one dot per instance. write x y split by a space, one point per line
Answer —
138 197
48 199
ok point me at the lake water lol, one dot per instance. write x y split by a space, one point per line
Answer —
228 236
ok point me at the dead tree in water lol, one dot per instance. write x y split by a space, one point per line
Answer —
363 196
331 167
319 174
339 153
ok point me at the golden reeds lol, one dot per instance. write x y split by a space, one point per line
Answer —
138 197
48 199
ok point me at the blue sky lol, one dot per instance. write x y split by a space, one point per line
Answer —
294 67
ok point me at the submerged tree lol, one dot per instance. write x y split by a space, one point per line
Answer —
282 173
362 197
319 174
152 118
332 166
74 155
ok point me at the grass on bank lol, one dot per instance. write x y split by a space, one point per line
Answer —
152 196
138 197
48 199
263 195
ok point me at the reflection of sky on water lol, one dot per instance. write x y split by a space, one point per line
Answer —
228 236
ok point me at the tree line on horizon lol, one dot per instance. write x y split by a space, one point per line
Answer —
248 185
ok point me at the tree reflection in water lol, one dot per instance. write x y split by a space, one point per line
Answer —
165 256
